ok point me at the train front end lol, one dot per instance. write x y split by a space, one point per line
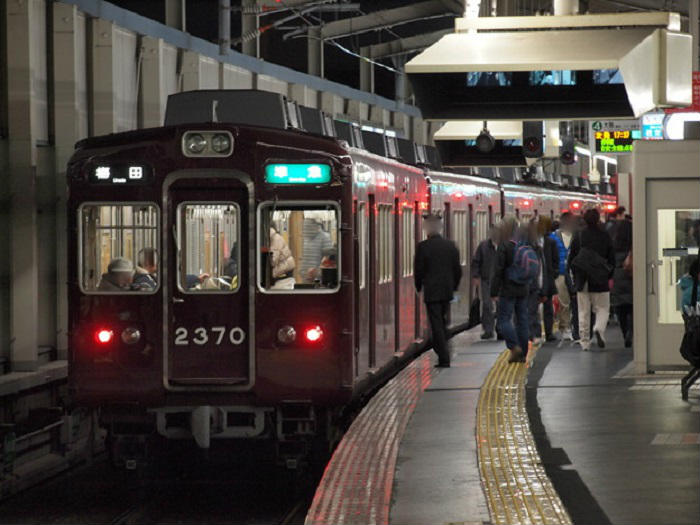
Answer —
209 292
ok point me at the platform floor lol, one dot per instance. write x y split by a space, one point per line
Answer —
616 448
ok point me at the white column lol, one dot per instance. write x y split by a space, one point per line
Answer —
103 121
152 83
314 44
22 182
70 125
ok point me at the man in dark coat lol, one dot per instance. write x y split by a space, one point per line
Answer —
592 272
483 266
437 272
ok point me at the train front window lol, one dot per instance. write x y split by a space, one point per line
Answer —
208 244
298 248
119 248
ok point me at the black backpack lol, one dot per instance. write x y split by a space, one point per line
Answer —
690 345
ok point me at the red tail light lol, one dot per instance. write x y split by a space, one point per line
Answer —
611 207
104 336
576 205
313 335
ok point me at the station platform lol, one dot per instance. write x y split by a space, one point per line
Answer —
572 437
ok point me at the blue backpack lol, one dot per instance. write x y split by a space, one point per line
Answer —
526 264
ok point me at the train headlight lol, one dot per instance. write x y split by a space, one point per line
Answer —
131 336
195 143
221 143
286 334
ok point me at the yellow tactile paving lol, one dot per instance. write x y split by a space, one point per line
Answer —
517 488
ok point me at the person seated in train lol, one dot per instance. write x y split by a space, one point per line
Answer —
146 272
329 267
119 276
316 240
194 281
281 261
231 263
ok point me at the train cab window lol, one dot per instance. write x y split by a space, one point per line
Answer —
408 241
385 224
298 250
119 248
482 226
208 247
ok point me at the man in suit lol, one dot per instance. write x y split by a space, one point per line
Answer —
437 272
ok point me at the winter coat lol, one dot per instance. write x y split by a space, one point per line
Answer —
501 285
437 270
563 251
144 280
621 292
551 266
686 286
484 261
281 256
597 240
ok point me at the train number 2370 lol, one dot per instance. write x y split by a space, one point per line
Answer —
215 334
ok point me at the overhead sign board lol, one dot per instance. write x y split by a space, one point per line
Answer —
653 126
615 136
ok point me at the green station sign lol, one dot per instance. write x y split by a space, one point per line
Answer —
297 173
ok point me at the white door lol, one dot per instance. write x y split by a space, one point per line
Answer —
673 227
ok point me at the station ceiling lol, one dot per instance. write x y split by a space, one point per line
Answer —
386 25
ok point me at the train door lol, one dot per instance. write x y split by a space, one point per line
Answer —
372 281
362 324
399 272
207 307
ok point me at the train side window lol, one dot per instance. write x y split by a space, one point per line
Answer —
482 226
386 243
208 247
408 242
119 248
460 221
298 247
362 240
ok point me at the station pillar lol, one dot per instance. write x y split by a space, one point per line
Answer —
24 277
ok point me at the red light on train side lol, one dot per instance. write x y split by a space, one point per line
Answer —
576 205
104 336
526 203
610 207
313 335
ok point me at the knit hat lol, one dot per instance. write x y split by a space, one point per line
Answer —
120 264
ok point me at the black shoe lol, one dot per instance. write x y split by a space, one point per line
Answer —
442 365
550 338
486 336
516 354
499 337
599 338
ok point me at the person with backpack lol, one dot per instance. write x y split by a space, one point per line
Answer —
517 266
592 262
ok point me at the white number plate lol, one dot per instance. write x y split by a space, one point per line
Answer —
218 335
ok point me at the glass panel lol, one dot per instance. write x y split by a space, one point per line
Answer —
299 247
209 247
119 248
362 242
678 236
408 243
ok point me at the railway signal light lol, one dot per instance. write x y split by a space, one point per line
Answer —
533 138
567 150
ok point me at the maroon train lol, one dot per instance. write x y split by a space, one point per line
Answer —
189 321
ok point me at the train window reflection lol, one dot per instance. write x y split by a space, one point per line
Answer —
119 248
208 247
298 247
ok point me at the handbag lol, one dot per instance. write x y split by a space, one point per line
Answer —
474 313
690 344
627 263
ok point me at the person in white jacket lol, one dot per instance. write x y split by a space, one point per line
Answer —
282 262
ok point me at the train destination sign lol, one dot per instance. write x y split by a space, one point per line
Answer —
120 174
615 136
297 173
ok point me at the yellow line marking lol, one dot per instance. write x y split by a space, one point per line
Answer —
516 485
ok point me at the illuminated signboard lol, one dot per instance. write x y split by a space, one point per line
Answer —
297 173
653 126
615 136
120 174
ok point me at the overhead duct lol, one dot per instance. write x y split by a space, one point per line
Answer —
563 67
